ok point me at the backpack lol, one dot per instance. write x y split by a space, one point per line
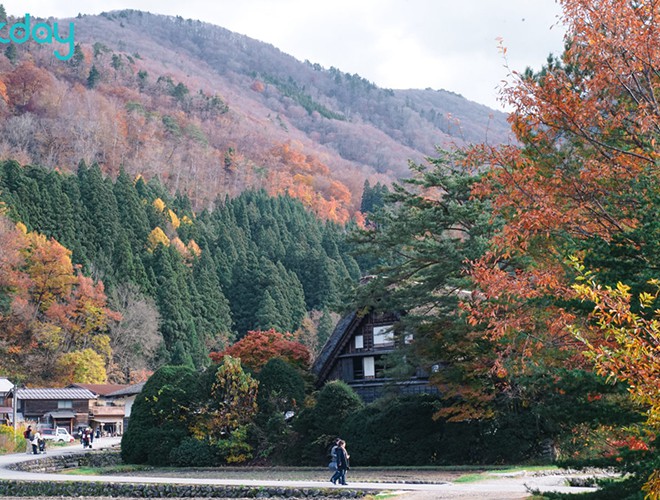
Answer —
26 434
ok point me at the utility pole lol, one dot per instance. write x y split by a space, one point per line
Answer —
13 407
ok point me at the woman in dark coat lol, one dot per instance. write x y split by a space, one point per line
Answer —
342 461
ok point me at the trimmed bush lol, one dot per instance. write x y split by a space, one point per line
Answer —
192 453
159 417
398 431
318 426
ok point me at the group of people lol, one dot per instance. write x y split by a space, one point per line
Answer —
35 444
339 462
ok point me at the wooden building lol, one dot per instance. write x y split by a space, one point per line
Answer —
106 414
68 408
357 353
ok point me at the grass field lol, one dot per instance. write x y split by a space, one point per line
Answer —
366 474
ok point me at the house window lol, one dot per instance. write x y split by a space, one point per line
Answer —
383 336
359 341
61 405
369 367
358 369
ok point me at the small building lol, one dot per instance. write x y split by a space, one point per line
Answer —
126 396
68 408
357 353
6 411
106 414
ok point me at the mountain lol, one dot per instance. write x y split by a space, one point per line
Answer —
211 112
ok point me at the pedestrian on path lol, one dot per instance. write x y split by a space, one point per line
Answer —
28 439
35 443
342 461
333 462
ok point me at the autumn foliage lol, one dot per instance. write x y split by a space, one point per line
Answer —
54 319
258 347
586 124
581 188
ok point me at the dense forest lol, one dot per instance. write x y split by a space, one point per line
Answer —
185 283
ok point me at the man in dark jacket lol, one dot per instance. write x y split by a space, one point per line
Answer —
342 461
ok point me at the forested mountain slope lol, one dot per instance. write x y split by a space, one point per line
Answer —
182 283
210 112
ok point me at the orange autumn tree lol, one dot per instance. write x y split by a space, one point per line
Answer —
258 347
582 184
583 181
52 317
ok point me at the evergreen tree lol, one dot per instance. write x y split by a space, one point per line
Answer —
171 295
93 78
325 328
100 216
78 56
123 262
423 244
131 210
373 198
10 52
211 311
268 316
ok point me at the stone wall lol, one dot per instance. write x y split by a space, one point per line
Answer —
9 488
56 463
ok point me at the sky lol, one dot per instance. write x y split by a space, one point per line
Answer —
398 44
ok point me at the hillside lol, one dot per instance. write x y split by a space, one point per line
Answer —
209 112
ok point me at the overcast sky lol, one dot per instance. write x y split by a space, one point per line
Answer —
442 44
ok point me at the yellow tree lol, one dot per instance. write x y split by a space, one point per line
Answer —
83 367
232 405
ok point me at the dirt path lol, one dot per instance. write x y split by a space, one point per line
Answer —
493 486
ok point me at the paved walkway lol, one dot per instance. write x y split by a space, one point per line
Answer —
505 487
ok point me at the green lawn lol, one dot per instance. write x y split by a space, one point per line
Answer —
367 474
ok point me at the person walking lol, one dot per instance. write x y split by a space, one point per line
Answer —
28 439
333 462
342 461
35 442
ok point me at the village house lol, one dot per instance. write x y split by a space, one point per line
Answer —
126 397
357 353
106 413
102 407
6 410
68 408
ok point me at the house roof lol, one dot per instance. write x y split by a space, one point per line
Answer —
5 385
55 394
323 363
129 390
61 414
100 389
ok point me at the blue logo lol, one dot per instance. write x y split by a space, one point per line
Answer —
40 33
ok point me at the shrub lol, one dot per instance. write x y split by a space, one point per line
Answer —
159 417
192 453
318 426
10 443
281 388
399 431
